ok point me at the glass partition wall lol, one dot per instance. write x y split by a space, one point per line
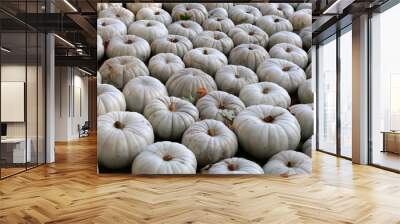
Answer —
385 89
22 77
334 88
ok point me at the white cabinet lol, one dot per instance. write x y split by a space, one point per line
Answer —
19 155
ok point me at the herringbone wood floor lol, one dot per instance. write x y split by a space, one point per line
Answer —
70 191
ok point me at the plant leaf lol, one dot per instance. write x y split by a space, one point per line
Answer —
185 17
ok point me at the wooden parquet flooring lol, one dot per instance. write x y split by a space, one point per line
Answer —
70 191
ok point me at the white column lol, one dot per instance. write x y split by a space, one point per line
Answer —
50 99
360 90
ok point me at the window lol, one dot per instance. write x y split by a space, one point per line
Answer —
346 93
385 89
327 96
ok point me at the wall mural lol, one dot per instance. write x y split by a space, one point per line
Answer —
204 88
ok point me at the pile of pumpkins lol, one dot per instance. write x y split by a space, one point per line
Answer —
216 88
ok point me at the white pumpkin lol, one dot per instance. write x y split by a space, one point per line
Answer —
148 29
220 106
285 37
210 141
265 130
109 99
140 91
301 19
244 14
304 6
128 45
100 48
174 44
283 10
118 71
120 13
249 55
170 116
164 65
120 137
154 13
218 23
306 148
284 73
291 53
214 39
232 78
304 114
165 158
233 165
288 163
267 93
308 71
212 6
102 6
207 59
190 11
305 92
272 24
248 34
98 77
191 84
186 28
218 12
306 36
135 7
109 27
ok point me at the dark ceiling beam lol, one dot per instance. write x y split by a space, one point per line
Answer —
89 30
78 61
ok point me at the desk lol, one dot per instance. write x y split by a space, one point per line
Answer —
391 141
16 147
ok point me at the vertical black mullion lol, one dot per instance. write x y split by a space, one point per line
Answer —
369 83
338 82
26 86
37 90
0 91
316 96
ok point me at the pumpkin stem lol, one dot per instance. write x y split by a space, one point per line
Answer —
129 42
119 125
157 13
276 20
232 167
251 48
172 106
289 164
285 69
288 50
219 19
184 25
167 158
265 90
251 33
269 119
211 132
149 24
205 51
173 40
221 106
104 24
202 91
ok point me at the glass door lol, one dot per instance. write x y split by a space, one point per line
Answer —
385 90
326 94
346 92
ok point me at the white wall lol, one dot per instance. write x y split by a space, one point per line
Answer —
69 85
